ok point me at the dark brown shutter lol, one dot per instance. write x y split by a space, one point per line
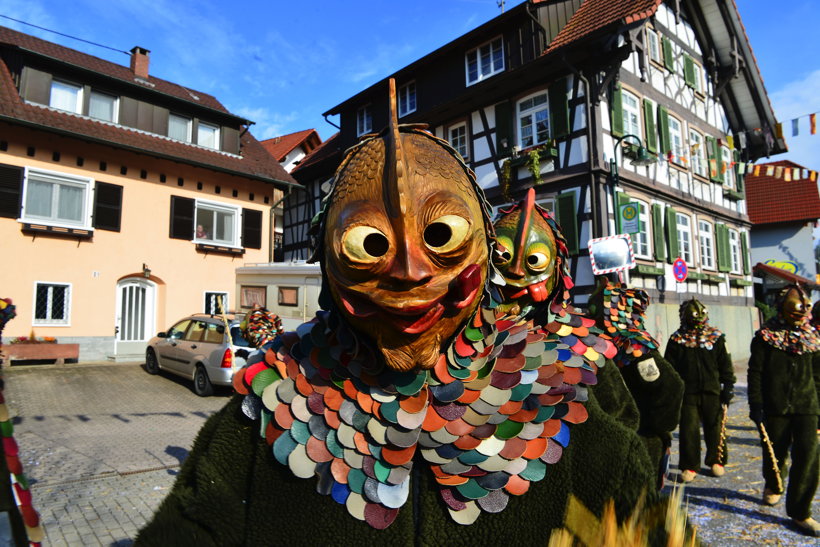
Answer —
251 229
182 218
11 184
36 86
107 206
559 108
503 129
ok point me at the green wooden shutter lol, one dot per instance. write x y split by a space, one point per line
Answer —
559 108
739 178
657 232
744 251
672 234
668 58
622 199
649 126
689 72
665 144
617 112
722 241
568 218
503 129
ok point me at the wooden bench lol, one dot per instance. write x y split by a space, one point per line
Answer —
58 353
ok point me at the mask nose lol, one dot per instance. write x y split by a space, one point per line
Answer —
411 265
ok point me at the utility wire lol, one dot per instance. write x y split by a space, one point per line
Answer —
66 35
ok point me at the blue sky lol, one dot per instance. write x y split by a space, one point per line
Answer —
281 64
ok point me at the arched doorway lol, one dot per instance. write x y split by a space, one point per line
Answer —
136 316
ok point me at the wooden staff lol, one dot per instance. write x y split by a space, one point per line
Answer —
722 442
770 450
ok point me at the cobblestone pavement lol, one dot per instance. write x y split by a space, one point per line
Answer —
102 445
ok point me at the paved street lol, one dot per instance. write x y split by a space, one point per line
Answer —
103 443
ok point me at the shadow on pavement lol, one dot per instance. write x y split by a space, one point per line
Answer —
176 452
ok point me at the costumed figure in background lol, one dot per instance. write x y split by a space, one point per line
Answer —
407 410
651 379
260 327
698 353
784 389
815 315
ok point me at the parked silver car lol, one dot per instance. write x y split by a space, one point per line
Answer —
197 348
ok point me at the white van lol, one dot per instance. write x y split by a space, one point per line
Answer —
288 289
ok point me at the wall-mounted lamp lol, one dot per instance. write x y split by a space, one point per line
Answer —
642 156
146 271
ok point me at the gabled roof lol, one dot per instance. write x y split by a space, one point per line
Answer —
773 200
254 161
280 147
325 151
771 271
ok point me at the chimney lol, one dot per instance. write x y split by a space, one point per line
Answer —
139 61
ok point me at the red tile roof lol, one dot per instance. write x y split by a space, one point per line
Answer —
280 147
770 200
254 161
594 15
324 151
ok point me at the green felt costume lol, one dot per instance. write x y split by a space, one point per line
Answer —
231 491
614 397
785 385
700 357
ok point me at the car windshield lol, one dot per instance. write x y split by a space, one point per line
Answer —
237 338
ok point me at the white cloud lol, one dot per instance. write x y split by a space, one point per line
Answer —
798 99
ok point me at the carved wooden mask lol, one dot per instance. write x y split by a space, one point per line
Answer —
405 244
693 314
794 306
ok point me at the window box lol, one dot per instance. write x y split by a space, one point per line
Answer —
697 276
733 194
647 270
42 352
58 230
711 278
740 283
219 249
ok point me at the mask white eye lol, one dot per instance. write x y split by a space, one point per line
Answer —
504 255
538 257
446 233
364 244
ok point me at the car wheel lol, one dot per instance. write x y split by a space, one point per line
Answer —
151 363
202 384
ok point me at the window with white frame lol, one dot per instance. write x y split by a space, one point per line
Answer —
485 61
407 99
52 303
217 223
734 250
707 244
103 106
548 204
179 127
728 170
697 154
641 239
699 79
56 199
207 135
684 230
631 110
654 45
533 120
364 120
66 96
676 141
457 136
216 302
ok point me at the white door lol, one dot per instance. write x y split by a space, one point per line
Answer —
136 313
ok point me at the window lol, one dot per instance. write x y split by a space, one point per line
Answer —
457 135
56 199
66 96
177 332
640 240
734 251
692 73
216 302
207 135
631 111
707 245
103 106
684 238
676 140
697 153
216 223
364 121
654 45
726 167
533 120
179 127
253 296
407 99
51 303
484 61
288 296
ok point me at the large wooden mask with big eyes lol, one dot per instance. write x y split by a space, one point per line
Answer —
795 307
694 313
406 253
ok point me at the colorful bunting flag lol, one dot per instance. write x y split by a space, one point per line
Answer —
770 170
778 130
805 174
795 127
778 171
787 174
741 168
813 124
795 173
757 170
730 140
813 176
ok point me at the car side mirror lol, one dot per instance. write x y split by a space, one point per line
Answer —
162 335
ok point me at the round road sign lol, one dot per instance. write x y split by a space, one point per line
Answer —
680 270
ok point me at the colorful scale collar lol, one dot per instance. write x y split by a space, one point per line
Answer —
702 336
488 419
798 340
623 319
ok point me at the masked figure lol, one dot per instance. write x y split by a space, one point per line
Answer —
784 383
408 407
698 353
651 379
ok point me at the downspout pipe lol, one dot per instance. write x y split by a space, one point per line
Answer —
331 123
